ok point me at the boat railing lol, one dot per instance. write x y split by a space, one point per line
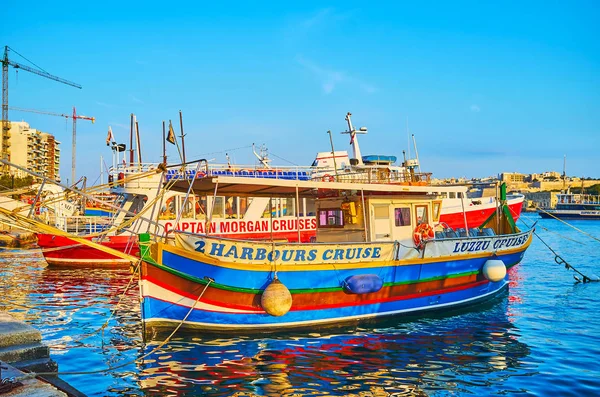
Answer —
212 170
374 176
370 175
82 225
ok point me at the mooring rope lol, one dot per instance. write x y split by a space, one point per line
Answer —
32 375
554 232
571 226
561 261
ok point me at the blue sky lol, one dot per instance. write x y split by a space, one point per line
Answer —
485 87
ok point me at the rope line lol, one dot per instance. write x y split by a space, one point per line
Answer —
561 261
554 232
571 226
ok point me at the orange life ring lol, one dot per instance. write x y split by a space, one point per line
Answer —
422 232
327 178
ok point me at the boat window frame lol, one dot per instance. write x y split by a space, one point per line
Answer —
436 210
426 214
408 218
327 226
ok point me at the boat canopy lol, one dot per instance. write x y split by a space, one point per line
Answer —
256 187
378 159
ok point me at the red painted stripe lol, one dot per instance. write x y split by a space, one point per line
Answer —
331 306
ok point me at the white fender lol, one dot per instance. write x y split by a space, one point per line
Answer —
494 270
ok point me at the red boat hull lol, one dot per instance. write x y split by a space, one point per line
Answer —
62 251
475 217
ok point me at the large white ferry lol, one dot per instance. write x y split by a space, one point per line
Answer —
573 206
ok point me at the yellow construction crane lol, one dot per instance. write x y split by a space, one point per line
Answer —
74 116
37 70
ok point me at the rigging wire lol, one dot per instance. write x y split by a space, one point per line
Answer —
571 226
31 62
223 151
281 158
561 261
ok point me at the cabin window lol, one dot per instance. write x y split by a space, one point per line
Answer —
243 202
452 195
459 194
168 210
331 218
270 209
288 207
187 210
200 207
231 207
310 208
437 207
421 214
381 212
218 210
402 216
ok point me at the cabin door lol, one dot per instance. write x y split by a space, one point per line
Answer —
382 226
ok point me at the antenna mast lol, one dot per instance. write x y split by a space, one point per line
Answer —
564 175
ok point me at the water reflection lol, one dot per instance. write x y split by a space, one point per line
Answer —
460 353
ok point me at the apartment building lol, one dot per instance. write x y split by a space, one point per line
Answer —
32 149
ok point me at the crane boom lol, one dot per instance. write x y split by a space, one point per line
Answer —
39 112
5 63
75 116
42 73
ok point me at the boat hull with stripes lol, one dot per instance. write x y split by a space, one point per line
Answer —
203 283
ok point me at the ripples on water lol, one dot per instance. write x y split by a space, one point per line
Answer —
542 338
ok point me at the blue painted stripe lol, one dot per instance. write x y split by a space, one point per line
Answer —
317 279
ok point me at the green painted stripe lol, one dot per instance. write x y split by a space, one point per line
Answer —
295 291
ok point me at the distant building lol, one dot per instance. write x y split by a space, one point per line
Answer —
32 149
512 177
543 200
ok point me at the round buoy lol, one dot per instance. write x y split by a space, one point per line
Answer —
494 270
276 299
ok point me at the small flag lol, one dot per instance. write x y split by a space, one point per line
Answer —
109 138
171 135
352 137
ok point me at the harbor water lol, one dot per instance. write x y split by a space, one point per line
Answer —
541 337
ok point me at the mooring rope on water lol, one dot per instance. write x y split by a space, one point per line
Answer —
32 375
553 232
571 226
561 261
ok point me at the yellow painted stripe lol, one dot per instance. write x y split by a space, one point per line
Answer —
324 266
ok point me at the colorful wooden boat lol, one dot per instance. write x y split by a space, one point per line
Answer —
376 255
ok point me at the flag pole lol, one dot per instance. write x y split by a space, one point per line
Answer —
138 144
176 142
164 145
131 142
182 135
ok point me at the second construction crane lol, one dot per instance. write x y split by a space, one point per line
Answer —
75 117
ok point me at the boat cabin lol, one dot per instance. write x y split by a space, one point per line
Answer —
375 217
345 212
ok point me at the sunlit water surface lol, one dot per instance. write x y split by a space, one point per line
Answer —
540 338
